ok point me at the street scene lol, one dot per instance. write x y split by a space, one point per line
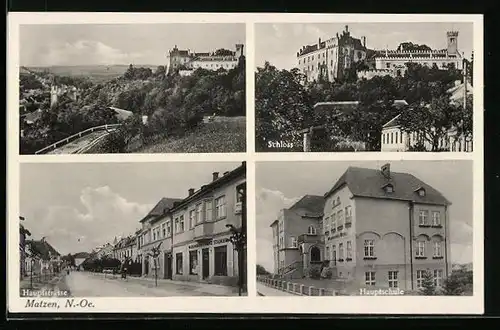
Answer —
127 88
393 87
364 228
105 237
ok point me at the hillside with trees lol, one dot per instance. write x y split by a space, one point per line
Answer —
284 105
174 104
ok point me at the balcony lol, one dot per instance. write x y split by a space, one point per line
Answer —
238 208
203 231
306 238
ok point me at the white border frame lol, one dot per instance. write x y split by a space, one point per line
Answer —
251 303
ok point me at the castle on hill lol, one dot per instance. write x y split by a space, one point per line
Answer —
332 58
186 61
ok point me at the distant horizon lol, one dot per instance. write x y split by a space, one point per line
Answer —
121 44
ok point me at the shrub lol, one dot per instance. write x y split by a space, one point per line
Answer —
428 286
327 273
315 273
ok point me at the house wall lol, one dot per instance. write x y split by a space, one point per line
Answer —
390 230
336 235
208 234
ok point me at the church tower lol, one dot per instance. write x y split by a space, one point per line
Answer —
452 39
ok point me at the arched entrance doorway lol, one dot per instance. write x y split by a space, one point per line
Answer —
315 255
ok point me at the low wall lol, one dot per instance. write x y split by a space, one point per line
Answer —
296 288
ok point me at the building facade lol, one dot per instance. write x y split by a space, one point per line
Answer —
126 248
395 139
195 234
297 240
394 62
186 61
377 229
385 229
331 58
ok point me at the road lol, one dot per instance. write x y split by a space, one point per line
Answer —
79 143
83 284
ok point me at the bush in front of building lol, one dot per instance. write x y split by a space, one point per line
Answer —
314 272
428 285
327 273
458 283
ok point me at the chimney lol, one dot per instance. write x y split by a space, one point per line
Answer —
191 191
364 41
386 170
347 29
215 176
319 42
225 173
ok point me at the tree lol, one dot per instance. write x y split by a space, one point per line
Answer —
458 282
431 122
261 270
428 285
282 106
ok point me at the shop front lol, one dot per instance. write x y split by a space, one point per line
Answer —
209 261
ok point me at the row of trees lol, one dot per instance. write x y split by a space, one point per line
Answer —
284 105
99 264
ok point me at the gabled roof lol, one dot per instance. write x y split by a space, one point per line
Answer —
164 205
81 255
364 182
312 204
392 123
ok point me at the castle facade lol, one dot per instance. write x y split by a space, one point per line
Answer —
186 61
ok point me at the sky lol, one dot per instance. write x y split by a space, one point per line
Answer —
113 44
279 43
279 185
79 206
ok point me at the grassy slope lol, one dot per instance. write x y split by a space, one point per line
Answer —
223 136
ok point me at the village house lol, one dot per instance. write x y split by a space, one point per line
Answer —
156 232
394 138
41 258
194 232
125 248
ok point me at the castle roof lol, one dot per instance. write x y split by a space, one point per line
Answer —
365 182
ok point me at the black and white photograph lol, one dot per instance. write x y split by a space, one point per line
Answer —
337 87
178 229
364 228
132 88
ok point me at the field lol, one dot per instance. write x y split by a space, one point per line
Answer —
222 135
96 73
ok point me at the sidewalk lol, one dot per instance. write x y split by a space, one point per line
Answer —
214 289
263 290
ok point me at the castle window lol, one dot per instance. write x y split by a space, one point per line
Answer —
388 65
311 230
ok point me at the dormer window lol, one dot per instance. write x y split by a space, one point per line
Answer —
388 188
420 191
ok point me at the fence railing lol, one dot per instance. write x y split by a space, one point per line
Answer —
67 140
296 288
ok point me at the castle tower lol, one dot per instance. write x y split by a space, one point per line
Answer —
452 41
